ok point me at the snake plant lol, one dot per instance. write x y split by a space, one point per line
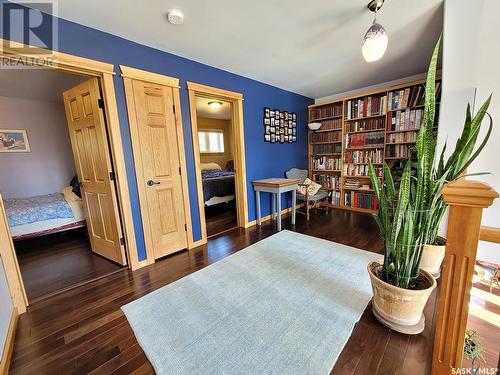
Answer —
409 218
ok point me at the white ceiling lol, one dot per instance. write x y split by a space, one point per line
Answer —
36 84
309 47
203 110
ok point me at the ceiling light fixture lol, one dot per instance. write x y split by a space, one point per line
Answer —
376 40
214 106
175 17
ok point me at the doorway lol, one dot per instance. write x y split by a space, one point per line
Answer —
59 199
218 144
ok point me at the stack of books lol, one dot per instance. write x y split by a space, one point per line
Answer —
367 106
335 124
364 139
409 97
327 149
356 170
328 181
352 184
368 124
405 120
331 110
326 137
398 151
402 137
359 156
335 198
356 199
324 163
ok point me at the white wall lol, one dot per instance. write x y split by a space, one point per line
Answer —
50 165
470 60
6 308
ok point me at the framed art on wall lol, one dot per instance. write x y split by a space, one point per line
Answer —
13 140
279 126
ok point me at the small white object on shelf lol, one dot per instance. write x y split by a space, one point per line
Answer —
314 125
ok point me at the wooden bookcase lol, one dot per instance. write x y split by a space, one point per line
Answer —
381 124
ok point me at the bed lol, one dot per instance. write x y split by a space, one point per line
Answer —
44 214
218 184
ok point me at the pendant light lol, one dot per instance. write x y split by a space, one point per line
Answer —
375 41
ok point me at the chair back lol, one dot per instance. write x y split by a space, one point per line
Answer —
297 174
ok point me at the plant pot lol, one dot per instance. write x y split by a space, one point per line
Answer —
397 308
432 257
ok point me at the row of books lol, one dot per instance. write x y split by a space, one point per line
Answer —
324 163
356 170
360 200
402 137
367 124
405 120
364 139
335 199
409 97
398 151
326 137
328 181
327 149
367 106
359 156
333 124
330 110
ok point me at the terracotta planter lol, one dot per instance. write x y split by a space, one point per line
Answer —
397 308
432 257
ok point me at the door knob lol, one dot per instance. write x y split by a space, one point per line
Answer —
151 183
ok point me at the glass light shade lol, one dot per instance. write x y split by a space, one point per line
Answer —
214 106
374 43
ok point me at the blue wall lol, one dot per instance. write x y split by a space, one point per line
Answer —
262 159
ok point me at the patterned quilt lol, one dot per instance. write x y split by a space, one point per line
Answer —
217 184
22 211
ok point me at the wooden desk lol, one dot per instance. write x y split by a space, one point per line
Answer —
275 186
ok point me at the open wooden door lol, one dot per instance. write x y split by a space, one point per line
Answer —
156 147
89 142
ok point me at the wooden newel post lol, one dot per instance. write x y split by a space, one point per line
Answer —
466 200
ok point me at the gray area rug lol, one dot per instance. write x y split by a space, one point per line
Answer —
284 305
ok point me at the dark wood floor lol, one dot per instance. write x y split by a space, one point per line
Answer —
84 330
58 261
220 218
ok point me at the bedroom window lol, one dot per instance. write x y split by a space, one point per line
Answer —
211 141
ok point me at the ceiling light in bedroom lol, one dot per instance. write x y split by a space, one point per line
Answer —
175 17
376 40
215 106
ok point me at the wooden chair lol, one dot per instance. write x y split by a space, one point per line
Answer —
315 201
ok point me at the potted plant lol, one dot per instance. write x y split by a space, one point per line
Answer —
409 219
473 350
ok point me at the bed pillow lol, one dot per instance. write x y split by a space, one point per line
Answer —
210 167
312 187
69 195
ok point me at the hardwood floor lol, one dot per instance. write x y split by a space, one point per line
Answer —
59 261
84 331
220 218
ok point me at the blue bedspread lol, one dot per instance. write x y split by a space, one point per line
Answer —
22 211
217 184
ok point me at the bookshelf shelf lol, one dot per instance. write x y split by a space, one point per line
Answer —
316 171
364 118
394 107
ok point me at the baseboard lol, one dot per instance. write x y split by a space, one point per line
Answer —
284 212
198 243
9 343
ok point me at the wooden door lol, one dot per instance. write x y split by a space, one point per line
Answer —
156 153
93 166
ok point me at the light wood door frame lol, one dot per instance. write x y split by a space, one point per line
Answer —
129 75
105 72
236 100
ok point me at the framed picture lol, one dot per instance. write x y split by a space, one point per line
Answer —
271 113
14 141
272 121
277 114
273 138
273 129
282 138
267 137
268 129
294 117
267 121
267 112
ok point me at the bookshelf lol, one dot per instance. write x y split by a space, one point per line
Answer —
379 124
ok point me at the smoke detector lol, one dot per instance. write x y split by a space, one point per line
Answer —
175 17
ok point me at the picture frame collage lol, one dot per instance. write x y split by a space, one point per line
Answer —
280 126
